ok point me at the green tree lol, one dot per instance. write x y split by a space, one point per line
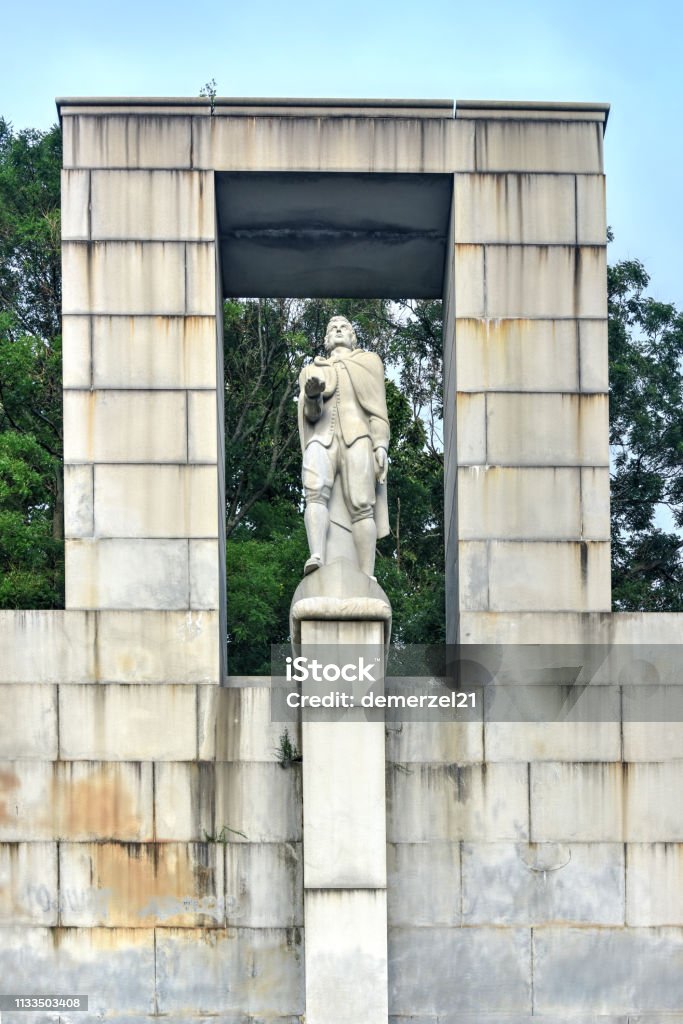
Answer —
31 473
646 435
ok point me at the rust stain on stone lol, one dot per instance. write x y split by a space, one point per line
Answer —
9 781
149 883
100 804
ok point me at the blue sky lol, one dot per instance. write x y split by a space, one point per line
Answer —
624 53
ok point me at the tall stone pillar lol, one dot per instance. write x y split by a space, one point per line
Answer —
527 496
142 369
340 615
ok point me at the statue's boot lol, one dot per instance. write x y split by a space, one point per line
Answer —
317 521
365 538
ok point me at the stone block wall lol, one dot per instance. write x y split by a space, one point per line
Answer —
526 367
141 415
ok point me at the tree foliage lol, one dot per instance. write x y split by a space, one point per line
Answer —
31 473
646 435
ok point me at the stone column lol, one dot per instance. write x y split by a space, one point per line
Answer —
526 365
340 614
142 401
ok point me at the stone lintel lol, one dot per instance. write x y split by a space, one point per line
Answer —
530 110
259 106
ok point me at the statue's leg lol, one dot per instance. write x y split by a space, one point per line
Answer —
358 482
318 477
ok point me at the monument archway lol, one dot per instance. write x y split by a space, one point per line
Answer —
499 208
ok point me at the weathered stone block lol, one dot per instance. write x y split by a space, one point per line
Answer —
128 573
240 970
430 803
516 355
576 802
653 884
555 146
76 801
202 427
470 432
200 280
554 741
150 205
547 430
653 741
590 209
547 576
264 885
76 362
158 647
514 503
435 742
78 501
28 723
127 141
155 501
595 493
204 570
515 208
28 884
444 971
593 355
423 884
344 826
114 967
335 144
122 723
346 954
137 886
184 796
103 800
545 281
46 646
263 801
154 352
620 970
473 575
522 884
124 426
75 209
24 801
594 802
470 280
124 277
652 802
235 724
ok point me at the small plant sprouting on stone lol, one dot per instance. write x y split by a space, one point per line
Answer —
209 92
222 835
287 753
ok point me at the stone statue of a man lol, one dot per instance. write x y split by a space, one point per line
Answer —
344 429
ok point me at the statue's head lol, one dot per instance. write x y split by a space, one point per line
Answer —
340 332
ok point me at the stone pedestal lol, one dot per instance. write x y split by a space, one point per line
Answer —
340 616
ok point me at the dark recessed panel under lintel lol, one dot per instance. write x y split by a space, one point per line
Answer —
351 235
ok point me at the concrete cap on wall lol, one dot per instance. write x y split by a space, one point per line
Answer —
255 106
531 110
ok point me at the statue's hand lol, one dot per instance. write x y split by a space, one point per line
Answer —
381 465
314 387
